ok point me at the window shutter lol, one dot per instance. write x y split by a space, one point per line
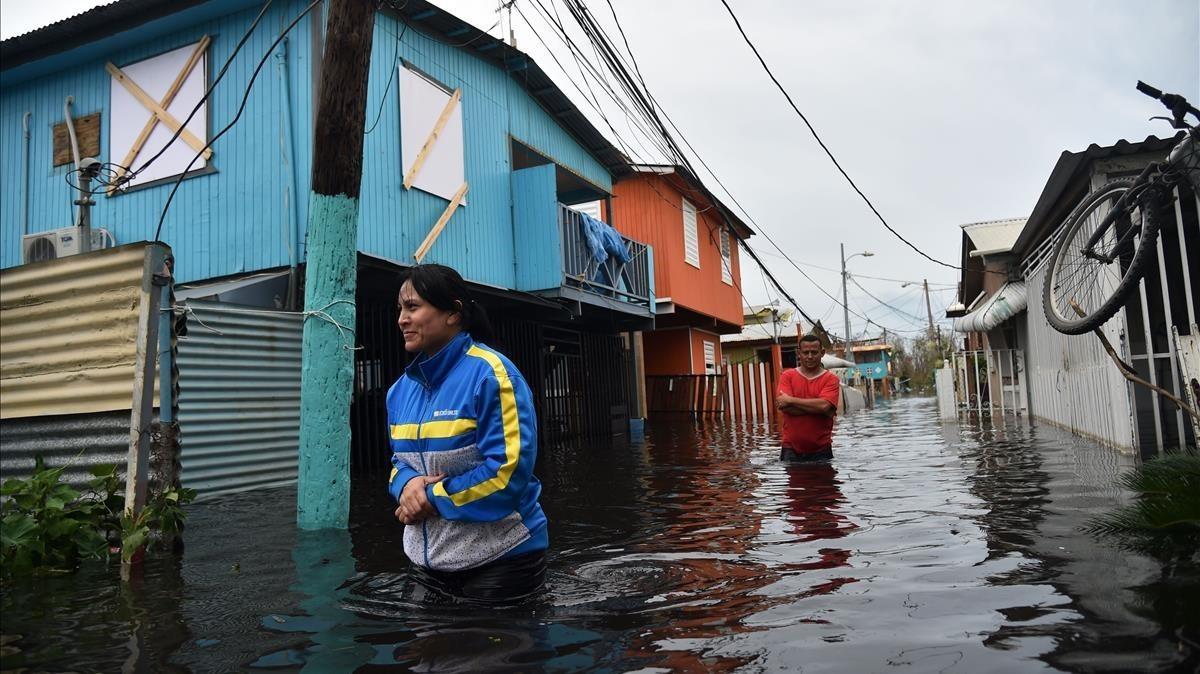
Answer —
691 239
726 259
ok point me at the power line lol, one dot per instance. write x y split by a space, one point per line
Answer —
130 175
895 310
745 245
642 101
241 108
823 146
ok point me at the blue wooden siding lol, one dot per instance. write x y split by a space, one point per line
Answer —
479 239
219 224
237 219
535 225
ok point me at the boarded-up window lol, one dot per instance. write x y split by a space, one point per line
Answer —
726 258
422 104
710 357
87 133
691 239
175 82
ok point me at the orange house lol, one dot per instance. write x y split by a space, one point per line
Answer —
697 273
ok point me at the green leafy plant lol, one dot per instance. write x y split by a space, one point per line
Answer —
1165 510
48 526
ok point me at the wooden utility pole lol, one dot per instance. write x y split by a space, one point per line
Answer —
929 311
327 379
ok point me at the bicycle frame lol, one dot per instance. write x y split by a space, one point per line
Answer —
1122 208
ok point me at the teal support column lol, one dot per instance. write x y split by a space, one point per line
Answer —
327 373
327 378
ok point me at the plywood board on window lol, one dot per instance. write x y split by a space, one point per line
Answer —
422 103
155 76
87 133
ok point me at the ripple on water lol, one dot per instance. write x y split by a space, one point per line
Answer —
921 547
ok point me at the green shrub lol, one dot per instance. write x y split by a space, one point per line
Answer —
47 526
1165 510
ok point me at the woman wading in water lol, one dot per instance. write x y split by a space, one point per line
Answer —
464 440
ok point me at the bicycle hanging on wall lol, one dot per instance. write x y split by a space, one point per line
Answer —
1107 241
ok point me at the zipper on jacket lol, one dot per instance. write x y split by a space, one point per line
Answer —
424 466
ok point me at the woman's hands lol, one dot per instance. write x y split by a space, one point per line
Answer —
414 505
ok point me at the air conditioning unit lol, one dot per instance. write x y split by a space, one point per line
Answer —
57 243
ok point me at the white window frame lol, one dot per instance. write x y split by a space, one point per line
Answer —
691 235
726 258
710 357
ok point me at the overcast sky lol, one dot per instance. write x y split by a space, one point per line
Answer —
944 113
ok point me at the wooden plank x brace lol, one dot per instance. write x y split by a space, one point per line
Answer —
440 224
432 139
158 109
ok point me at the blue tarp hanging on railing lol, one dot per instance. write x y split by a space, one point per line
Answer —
604 242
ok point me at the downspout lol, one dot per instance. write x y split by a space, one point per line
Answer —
74 141
25 173
287 144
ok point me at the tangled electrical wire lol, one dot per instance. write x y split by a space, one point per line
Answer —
108 176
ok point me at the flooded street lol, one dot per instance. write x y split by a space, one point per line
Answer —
921 548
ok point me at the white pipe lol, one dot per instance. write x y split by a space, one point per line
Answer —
25 173
71 129
74 145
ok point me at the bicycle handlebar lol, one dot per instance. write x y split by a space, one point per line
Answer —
1149 90
1177 104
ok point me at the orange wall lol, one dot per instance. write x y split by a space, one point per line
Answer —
667 351
648 208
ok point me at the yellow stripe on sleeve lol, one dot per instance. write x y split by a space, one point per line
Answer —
512 437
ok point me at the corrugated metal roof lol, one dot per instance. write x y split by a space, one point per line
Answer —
68 344
994 236
93 24
1048 213
1007 302
125 15
239 397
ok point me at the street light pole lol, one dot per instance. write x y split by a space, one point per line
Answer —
846 306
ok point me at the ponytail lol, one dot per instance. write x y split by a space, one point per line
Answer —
444 288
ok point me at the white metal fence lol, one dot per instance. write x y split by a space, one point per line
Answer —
990 381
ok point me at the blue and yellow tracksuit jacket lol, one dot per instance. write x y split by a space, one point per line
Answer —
468 413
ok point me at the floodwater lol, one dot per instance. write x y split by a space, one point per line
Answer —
921 548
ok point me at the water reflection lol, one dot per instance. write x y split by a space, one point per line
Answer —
921 547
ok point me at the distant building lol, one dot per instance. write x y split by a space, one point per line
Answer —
765 325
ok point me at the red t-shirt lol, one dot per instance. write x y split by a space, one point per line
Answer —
808 433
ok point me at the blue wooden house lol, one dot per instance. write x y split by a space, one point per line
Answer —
462 129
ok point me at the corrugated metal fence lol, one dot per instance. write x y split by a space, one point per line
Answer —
68 343
68 351
239 397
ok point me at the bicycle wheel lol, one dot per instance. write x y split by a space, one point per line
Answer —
1098 287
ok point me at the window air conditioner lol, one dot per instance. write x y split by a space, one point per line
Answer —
51 245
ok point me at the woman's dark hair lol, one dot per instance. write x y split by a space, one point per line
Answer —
445 289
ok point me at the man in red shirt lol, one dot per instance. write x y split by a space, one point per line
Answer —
808 397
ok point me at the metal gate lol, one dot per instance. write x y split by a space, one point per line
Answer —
990 381
580 381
